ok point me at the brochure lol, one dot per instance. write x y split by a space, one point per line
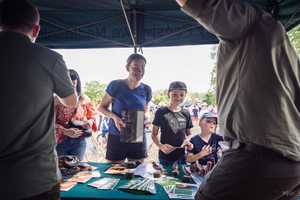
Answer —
133 132
117 169
144 170
105 183
182 191
80 178
66 186
176 189
139 186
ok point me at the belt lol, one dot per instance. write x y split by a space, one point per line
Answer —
235 144
230 144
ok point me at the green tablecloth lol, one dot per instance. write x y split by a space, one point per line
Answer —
83 191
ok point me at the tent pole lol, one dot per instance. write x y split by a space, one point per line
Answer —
133 38
134 31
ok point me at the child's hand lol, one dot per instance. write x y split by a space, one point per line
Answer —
206 150
189 146
186 143
166 148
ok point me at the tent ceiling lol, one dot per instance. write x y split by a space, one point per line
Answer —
102 23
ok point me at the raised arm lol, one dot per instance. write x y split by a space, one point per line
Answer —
227 19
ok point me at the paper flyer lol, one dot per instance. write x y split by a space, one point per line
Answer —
105 183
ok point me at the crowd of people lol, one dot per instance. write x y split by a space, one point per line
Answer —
46 113
172 123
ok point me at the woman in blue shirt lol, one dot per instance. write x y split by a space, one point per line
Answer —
124 96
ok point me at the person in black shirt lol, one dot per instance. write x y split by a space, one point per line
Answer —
206 144
30 75
175 125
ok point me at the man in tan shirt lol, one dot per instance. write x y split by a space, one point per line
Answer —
258 96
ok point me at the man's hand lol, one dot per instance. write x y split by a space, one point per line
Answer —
181 2
166 148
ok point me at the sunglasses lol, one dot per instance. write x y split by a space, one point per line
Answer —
211 121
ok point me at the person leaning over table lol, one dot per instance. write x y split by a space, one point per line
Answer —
258 98
124 95
30 75
175 126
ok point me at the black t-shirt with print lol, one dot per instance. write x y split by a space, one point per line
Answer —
173 127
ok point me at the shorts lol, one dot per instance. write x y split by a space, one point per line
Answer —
117 150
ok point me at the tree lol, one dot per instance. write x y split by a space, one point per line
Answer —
294 35
160 97
195 97
210 96
95 90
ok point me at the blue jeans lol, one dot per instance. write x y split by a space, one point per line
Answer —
72 146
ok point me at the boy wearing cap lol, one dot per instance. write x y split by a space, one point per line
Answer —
206 144
175 124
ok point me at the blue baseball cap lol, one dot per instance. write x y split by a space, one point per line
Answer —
209 115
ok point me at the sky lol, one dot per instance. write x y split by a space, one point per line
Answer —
190 64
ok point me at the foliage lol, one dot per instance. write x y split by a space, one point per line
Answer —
95 90
213 79
294 35
160 97
195 97
210 98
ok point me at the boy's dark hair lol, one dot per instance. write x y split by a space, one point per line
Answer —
134 56
177 85
18 14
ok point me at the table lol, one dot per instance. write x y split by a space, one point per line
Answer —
85 192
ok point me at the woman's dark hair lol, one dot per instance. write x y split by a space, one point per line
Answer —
19 14
74 76
135 56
